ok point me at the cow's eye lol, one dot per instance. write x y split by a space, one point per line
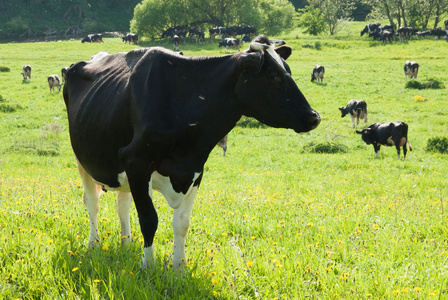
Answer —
274 77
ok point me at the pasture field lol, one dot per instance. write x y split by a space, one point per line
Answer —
270 221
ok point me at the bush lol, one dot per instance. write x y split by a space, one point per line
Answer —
431 83
325 147
437 144
4 69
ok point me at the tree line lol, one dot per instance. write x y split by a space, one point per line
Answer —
29 18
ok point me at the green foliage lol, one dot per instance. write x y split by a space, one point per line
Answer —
431 83
4 69
437 144
152 17
311 19
325 147
334 13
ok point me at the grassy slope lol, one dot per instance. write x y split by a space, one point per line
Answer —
318 225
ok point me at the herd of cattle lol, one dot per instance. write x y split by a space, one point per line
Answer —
160 114
386 33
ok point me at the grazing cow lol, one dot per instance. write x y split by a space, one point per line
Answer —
387 134
370 28
221 31
230 43
318 73
245 39
355 109
130 37
386 36
176 41
438 33
53 82
223 144
149 118
405 33
93 38
64 73
411 69
26 72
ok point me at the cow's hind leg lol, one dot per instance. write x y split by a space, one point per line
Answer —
124 201
181 223
90 197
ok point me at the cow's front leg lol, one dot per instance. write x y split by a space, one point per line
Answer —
181 223
124 201
377 147
90 197
140 183
353 120
398 151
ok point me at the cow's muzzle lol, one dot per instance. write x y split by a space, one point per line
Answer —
312 120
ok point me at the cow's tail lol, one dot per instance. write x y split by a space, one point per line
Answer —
409 144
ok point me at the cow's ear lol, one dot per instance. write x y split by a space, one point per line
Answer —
284 51
358 132
251 60
341 108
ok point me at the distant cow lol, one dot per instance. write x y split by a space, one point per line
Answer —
446 24
93 38
386 36
370 28
130 37
411 69
318 73
176 41
355 109
387 134
26 72
64 73
53 82
230 43
405 33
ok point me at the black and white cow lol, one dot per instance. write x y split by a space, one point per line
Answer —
387 134
386 36
318 73
176 42
405 33
93 38
370 28
26 72
355 109
54 82
64 73
149 118
411 69
230 43
130 37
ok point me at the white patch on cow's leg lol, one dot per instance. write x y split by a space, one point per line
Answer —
353 120
124 201
377 155
148 259
90 197
181 223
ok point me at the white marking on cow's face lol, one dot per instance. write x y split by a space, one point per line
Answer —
275 56
163 185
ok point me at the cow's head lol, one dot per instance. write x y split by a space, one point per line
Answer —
266 90
313 76
366 135
344 111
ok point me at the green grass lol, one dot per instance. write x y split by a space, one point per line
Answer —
270 219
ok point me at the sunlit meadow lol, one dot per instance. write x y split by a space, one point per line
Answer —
270 221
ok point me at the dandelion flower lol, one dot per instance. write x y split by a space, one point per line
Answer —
75 269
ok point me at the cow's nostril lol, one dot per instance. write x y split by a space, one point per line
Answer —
314 120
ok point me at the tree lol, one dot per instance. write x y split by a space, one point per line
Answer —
152 17
334 12
312 19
